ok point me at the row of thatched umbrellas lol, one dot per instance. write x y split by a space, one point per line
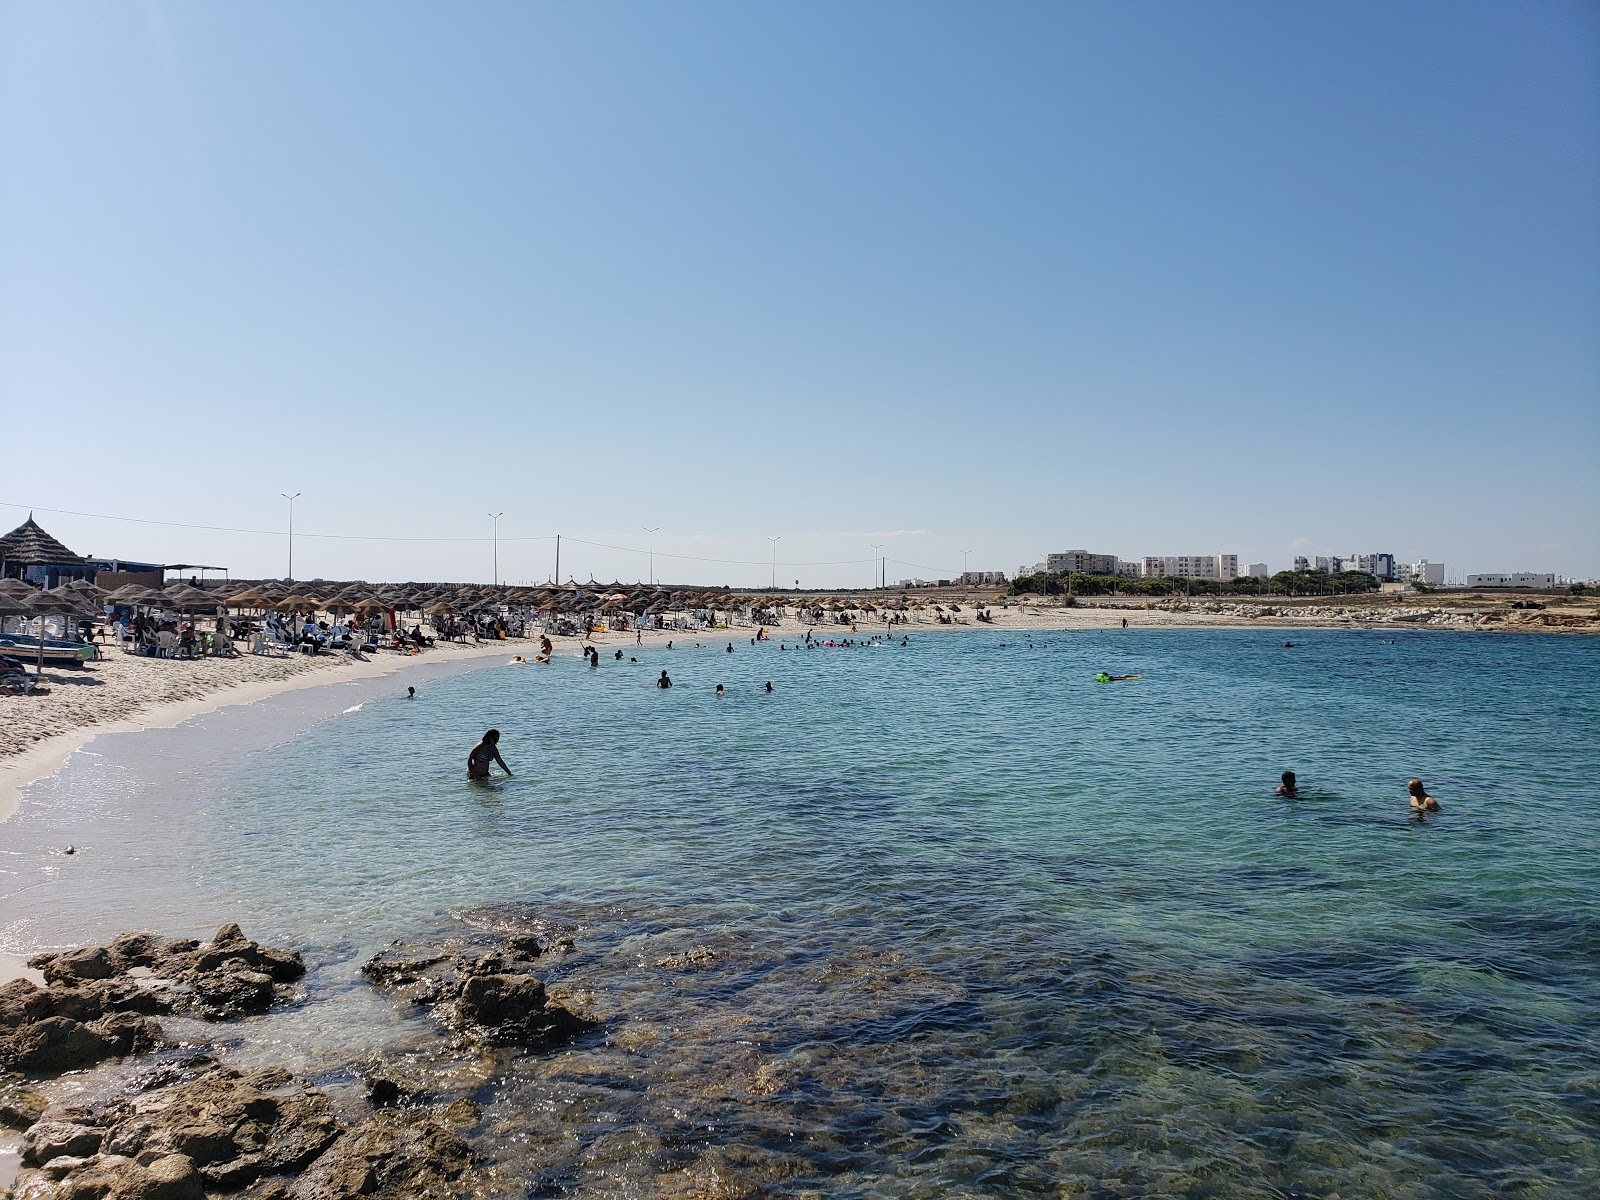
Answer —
80 600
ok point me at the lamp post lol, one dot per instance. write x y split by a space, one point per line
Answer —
878 546
291 500
964 554
775 541
495 517
652 530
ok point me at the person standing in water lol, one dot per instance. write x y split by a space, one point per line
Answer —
411 693
1420 800
485 753
663 682
1288 787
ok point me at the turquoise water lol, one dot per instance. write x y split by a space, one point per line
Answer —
982 926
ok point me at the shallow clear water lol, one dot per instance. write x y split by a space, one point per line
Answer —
983 926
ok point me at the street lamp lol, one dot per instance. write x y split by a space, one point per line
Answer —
878 546
291 500
652 531
775 541
495 517
964 554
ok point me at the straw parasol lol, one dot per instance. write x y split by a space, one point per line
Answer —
52 604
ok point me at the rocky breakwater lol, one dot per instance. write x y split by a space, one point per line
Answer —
483 996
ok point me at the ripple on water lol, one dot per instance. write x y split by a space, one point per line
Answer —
978 925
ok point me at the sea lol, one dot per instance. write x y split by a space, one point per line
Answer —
943 918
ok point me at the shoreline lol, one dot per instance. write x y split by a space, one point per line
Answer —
45 757
42 758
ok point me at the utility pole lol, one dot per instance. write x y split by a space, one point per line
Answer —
495 517
557 580
291 500
775 541
878 546
652 531
964 568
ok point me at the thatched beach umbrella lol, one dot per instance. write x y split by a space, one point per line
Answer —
52 604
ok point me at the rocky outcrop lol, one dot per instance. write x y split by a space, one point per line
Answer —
98 999
488 996
227 1130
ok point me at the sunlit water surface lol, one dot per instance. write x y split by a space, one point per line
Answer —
982 926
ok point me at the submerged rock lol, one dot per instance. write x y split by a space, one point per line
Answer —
488 996
394 1154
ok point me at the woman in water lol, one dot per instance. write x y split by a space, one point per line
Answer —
484 753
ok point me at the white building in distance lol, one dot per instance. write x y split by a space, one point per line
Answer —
1425 572
976 577
1257 571
1516 579
1190 566
1081 562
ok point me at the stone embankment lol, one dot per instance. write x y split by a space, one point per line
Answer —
1428 617
191 1127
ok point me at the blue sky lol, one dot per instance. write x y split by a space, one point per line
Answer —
1150 278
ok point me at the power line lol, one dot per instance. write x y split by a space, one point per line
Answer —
357 537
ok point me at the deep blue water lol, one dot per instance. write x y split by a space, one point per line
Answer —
983 926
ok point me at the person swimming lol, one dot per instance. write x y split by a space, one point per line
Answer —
769 685
720 690
411 693
1420 800
619 655
730 647
1288 787
483 754
1103 677
663 682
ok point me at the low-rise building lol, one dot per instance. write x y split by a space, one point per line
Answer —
978 577
1515 579
1190 566
1302 563
1257 571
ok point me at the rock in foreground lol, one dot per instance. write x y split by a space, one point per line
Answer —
228 1130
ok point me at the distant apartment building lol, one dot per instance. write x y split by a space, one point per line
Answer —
1516 579
1430 573
1379 565
1302 563
976 577
1080 562
1190 566
1257 571
1128 570
1330 564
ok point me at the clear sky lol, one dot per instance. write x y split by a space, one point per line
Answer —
1135 277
